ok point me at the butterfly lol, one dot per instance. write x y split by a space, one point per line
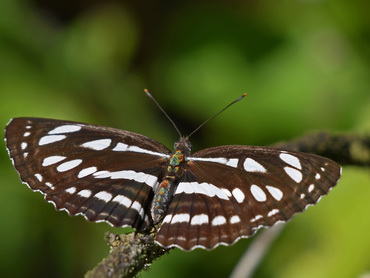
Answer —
212 197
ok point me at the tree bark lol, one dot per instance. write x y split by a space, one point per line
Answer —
129 254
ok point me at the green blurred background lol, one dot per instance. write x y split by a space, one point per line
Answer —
304 64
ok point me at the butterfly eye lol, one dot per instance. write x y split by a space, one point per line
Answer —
188 145
176 145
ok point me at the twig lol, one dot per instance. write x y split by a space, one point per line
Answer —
256 252
129 254
346 149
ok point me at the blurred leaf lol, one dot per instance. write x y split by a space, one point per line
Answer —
304 65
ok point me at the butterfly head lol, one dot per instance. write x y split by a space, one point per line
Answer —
183 145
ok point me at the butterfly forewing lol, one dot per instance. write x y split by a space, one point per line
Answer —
102 173
231 191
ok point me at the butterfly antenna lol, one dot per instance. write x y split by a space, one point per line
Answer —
219 112
164 112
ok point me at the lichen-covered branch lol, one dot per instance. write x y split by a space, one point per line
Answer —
346 149
131 253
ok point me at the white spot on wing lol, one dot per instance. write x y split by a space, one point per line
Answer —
199 219
257 217
167 219
141 150
71 190
98 145
84 193
179 218
128 174
26 134
48 184
291 160
201 188
121 147
50 160
104 196
232 162
294 174
234 219
48 139
258 193
317 176
136 206
238 195
226 191
275 192
87 171
65 129
23 145
218 220
122 200
39 177
250 165
311 187
101 174
68 165
272 212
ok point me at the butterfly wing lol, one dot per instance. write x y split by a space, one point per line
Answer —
229 192
102 173
107 174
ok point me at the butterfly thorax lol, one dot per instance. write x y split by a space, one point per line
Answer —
175 168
